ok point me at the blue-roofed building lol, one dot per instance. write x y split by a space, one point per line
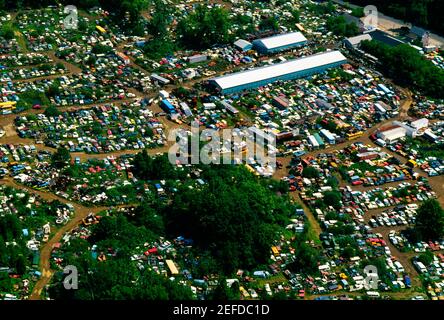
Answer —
328 136
167 106
243 45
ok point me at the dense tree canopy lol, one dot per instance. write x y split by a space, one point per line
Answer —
116 279
306 259
430 221
11 255
204 27
310 172
158 25
426 13
223 292
118 233
234 216
339 26
332 198
426 258
121 10
61 157
153 168
52 111
269 23
157 48
124 12
408 67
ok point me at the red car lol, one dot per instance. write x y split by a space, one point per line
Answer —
37 106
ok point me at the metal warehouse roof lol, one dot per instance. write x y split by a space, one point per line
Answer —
242 43
356 40
282 40
279 69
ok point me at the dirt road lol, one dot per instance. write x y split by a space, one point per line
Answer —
81 212
389 24
437 184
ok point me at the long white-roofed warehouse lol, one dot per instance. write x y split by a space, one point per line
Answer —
280 42
294 69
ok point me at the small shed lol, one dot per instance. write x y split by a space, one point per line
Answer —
243 45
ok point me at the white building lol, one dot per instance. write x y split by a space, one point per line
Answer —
354 42
280 42
413 128
290 70
391 135
420 123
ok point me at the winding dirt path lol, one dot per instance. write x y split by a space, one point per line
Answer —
437 184
80 211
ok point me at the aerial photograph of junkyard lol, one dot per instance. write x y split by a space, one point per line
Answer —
221 150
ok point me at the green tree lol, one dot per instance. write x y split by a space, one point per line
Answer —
310 173
295 16
158 25
204 27
117 279
159 47
125 13
426 258
149 218
101 49
380 265
3 252
269 23
61 157
279 296
240 216
306 259
339 26
358 12
97 128
332 182
20 264
332 198
53 89
430 220
408 67
6 284
7 32
52 111
10 228
224 293
153 168
119 233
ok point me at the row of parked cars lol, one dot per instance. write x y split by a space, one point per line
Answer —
398 216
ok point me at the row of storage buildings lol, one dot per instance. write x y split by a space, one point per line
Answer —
318 139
